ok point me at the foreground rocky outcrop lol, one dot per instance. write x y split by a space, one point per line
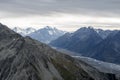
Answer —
27 59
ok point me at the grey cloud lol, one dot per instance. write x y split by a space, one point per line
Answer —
47 7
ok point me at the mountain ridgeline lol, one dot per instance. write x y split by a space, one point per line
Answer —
23 58
100 44
24 32
45 35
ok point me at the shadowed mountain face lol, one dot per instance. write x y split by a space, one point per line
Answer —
80 41
98 44
103 33
27 59
108 50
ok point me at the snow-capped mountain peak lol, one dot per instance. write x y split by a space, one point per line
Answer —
30 30
24 32
103 33
17 29
48 27
47 34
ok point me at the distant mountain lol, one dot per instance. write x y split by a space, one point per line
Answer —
105 33
98 44
23 58
46 34
108 50
24 32
81 41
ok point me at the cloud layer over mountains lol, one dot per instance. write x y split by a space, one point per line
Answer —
46 7
60 12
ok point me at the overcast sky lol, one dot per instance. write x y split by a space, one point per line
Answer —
64 14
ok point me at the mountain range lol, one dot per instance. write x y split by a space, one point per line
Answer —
107 50
23 58
45 35
81 41
95 43
24 32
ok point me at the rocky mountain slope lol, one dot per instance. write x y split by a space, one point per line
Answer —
100 65
27 59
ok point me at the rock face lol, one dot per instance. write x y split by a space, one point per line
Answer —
27 59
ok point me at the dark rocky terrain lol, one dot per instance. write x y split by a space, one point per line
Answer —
108 50
81 41
27 59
